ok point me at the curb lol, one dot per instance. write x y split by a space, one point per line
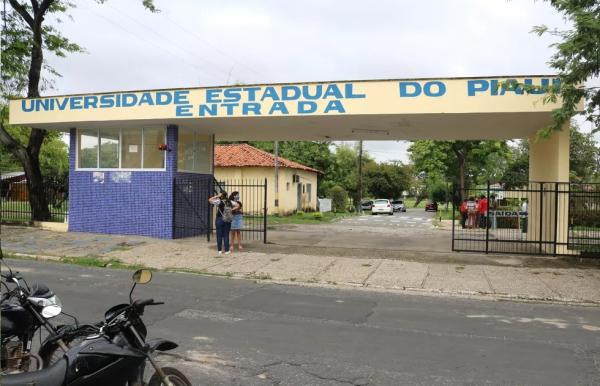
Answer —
476 295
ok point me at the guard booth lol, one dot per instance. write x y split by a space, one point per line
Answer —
128 148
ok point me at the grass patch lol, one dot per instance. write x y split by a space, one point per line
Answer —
98 262
306 218
261 276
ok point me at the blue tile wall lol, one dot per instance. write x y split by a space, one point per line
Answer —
141 206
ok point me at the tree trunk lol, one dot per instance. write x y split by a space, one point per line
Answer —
30 156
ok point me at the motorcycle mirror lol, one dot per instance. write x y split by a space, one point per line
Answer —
142 276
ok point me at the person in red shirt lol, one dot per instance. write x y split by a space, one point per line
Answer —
464 212
483 208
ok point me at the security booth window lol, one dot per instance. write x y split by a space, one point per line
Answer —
154 158
87 142
111 148
194 151
131 149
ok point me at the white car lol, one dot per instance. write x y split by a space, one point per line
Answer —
382 206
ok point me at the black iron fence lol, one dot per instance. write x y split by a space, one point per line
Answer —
191 212
545 218
253 196
194 216
14 199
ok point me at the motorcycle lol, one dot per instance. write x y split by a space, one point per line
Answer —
25 311
116 354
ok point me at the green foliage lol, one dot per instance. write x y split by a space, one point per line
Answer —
339 198
299 213
386 180
318 216
576 60
584 161
439 193
472 162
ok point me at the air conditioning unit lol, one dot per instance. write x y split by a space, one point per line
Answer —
295 178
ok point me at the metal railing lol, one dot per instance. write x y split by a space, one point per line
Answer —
542 218
253 196
14 200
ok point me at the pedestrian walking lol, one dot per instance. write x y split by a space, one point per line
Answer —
223 219
237 224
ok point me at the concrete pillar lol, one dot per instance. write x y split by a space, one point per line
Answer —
549 158
548 210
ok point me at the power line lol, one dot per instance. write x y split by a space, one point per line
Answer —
184 60
203 40
161 36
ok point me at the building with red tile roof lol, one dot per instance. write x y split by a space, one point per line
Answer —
297 182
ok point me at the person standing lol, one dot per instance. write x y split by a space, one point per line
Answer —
483 209
463 212
471 213
237 224
223 220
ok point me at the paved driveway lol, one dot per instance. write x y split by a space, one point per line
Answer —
367 235
412 218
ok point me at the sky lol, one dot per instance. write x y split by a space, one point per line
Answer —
192 43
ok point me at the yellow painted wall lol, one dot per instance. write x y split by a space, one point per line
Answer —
287 188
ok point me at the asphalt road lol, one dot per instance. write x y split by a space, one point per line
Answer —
237 332
412 218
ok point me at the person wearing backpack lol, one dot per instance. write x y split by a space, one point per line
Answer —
225 208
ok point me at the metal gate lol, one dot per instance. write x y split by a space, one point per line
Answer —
253 196
543 218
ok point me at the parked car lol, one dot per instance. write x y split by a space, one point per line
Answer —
366 205
398 206
431 206
382 206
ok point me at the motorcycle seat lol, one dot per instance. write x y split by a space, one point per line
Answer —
51 376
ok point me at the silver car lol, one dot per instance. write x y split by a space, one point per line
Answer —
398 206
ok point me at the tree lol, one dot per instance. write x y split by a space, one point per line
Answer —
576 60
339 198
584 161
25 38
461 162
386 180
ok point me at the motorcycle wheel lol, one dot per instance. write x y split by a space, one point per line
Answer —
174 375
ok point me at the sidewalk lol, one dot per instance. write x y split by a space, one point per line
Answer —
572 285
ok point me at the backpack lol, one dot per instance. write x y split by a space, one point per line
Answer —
227 212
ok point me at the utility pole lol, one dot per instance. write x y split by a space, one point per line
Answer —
360 184
276 153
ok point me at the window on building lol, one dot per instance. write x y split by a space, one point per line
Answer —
194 151
120 148
109 148
131 149
87 141
153 157
309 191
287 186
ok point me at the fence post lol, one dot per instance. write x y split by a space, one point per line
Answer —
541 217
555 216
453 212
210 189
265 214
487 219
